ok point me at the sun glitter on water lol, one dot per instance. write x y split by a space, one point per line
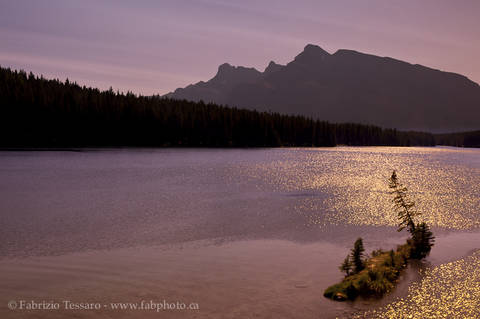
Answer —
354 182
451 290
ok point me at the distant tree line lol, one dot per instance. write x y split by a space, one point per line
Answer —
465 139
36 112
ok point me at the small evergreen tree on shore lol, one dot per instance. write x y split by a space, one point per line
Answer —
402 204
358 256
422 238
346 266
392 257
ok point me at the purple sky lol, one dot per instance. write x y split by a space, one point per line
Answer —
156 46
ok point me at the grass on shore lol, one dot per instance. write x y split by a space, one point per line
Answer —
379 276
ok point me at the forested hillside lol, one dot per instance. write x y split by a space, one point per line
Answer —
36 112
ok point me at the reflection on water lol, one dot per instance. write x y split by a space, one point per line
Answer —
57 202
444 182
451 290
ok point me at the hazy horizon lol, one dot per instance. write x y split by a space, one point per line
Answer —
154 48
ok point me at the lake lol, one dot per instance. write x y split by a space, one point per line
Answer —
240 232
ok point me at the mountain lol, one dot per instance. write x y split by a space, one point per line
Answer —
348 86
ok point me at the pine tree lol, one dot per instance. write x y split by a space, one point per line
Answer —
403 205
423 240
358 256
391 254
346 266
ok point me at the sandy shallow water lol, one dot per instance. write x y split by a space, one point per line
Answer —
241 279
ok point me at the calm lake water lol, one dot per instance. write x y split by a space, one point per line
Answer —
232 229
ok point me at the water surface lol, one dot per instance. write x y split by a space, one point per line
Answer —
285 217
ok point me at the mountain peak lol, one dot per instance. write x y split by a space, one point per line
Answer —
230 75
225 67
272 67
314 48
311 53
